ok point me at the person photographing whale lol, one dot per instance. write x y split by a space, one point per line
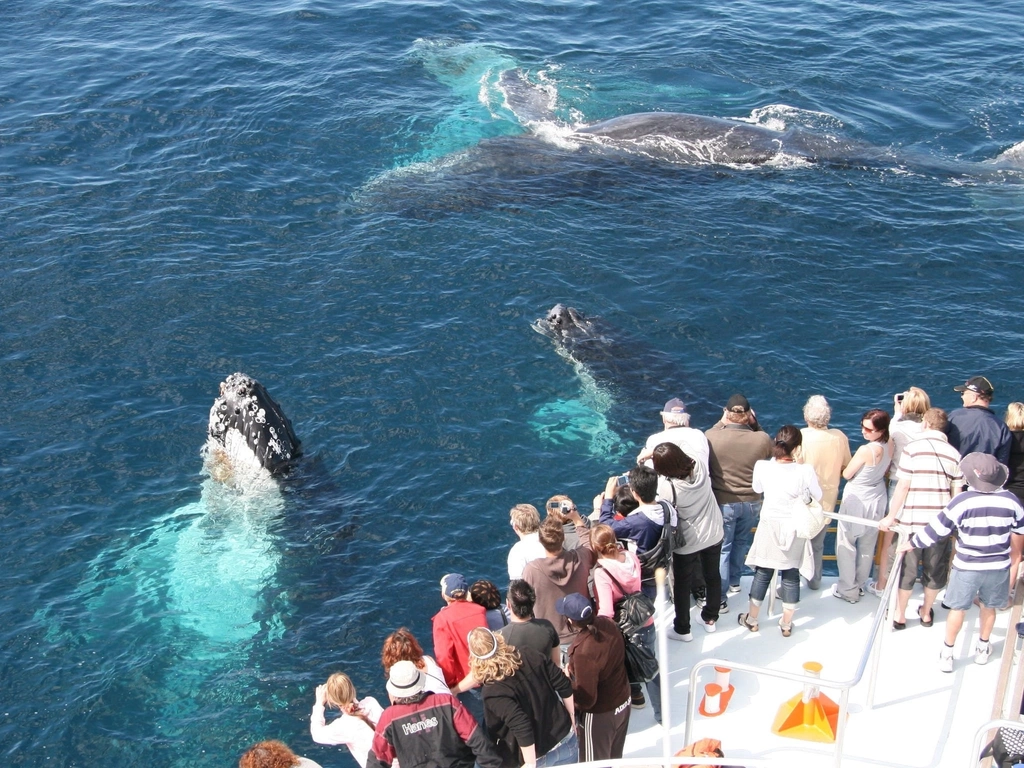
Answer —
645 525
676 430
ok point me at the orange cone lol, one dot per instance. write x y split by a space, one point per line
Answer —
810 715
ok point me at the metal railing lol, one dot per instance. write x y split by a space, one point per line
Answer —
844 686
981 735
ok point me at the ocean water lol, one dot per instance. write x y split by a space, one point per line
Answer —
339 200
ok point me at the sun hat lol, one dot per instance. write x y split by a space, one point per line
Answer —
404 680
984 472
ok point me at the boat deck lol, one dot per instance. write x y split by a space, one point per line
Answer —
921 718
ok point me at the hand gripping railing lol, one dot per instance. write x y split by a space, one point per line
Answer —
873 643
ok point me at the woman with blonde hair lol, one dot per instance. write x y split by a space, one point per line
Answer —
906 426
401 645
274 754
1015 421
354 728
528 704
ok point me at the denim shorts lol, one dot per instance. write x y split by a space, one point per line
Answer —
992 588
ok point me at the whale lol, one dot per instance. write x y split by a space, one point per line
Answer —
196 593
532 148
623 383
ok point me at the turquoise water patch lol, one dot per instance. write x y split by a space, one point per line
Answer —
472 72
575 425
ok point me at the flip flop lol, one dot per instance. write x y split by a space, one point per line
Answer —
899 625
931 617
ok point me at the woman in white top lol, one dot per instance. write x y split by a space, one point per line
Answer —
906 426
776 547
401 645
354 728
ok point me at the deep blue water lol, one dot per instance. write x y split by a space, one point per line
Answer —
188 189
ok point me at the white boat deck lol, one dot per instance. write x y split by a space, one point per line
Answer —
921 718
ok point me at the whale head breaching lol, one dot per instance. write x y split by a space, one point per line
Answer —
563 324
249 434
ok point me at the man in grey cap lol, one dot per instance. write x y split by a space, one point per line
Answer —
989 522
677 430
975 427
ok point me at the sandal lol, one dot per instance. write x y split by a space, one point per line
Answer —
787 629
931 617
742 618
899 625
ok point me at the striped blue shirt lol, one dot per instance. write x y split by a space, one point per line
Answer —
984 522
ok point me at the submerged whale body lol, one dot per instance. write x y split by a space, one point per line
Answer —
624 381
549 155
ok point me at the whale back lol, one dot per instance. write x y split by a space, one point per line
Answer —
246 408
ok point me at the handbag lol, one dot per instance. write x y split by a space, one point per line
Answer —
641 664
632 612
808 517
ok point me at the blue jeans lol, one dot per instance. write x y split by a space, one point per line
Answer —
738 518
790 585
473 702
565 752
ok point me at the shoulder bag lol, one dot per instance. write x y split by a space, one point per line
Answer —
808 516
632 612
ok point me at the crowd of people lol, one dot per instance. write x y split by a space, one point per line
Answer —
548 676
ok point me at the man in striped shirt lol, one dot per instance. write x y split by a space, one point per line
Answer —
928 467
989 522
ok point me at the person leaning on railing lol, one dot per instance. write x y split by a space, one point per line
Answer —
865 498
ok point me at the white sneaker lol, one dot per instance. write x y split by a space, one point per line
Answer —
709 626
734 589
946 660
687 638
836 593
982 653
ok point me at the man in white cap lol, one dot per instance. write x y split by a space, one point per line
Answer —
427 729
677 430
989 522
